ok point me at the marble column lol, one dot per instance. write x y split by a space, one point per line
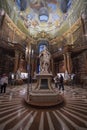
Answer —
20 66
52 66
69 62
85 62
84 23
65 62
16 61
36 61
32 64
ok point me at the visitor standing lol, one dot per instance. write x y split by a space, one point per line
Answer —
61 82
56 81
4 83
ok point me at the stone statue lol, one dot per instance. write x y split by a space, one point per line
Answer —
45 57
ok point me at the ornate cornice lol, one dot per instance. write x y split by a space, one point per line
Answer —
72 29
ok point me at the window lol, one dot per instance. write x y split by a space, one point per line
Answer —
43 18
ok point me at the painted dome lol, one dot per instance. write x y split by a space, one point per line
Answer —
42 15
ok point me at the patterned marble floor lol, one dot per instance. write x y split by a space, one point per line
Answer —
15 114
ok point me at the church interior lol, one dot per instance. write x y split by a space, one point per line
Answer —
31 100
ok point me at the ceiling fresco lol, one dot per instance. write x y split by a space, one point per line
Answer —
42 15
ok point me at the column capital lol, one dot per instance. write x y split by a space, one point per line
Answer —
68 53
67 48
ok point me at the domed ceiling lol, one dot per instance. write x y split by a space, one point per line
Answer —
42 15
